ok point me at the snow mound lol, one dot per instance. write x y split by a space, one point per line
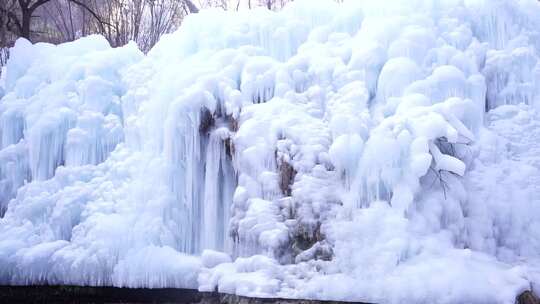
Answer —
378 151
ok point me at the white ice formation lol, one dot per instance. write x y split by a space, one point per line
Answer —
379 151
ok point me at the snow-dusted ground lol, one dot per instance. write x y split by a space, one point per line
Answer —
382 151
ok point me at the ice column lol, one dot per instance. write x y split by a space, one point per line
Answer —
220 183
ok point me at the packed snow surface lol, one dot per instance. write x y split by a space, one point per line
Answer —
378 151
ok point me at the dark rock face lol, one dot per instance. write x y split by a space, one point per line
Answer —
527 297
233 299
286 177
82 294
207 121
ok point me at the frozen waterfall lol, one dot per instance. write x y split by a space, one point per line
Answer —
379 151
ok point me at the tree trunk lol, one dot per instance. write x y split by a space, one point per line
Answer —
26 17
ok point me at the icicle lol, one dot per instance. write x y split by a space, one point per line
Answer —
219 188
14 172
12 127
46 143
94 138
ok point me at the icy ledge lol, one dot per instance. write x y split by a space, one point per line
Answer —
362 151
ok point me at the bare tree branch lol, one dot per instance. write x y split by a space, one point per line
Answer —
193 9
39 3
100 21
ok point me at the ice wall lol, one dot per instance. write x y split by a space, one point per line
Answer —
358 151
61 107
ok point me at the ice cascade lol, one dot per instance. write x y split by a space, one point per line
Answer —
377 151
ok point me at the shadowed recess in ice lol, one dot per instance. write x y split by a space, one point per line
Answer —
383 151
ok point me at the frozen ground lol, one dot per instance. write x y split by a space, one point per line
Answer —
384 152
